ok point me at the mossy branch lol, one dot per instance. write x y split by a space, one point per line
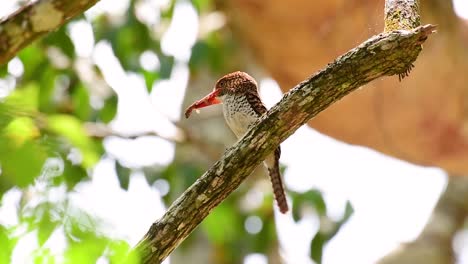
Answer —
34 20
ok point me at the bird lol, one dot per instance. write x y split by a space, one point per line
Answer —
242 106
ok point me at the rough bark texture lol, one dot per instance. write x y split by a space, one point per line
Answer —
401 14
434 244
422 120
386 54
35 20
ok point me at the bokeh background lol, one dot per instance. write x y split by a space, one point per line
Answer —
93 146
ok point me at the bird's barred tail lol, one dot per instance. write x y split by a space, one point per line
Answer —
277 184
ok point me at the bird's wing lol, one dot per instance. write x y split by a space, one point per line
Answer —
256 103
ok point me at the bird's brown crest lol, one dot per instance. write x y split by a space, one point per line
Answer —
236 82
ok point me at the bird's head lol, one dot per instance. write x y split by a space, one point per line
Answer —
230 84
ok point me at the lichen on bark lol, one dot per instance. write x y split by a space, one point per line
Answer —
401 14
35 20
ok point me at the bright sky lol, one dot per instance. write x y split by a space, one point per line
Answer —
461 8
381 189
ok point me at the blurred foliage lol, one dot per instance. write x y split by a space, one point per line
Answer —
45 146
328 228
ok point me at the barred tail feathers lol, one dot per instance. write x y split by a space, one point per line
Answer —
272 163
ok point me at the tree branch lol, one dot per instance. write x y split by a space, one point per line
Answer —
35 20
434 244
401 14
383 55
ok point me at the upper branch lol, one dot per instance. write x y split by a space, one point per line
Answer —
35 20
401 14
386 54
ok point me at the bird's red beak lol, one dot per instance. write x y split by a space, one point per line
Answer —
210 99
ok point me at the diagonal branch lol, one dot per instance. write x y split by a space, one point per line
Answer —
34 20
383 55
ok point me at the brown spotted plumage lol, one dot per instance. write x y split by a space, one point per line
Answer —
242 106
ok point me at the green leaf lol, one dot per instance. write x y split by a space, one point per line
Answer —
7 245
21 129
267 237
14 157
316 247
61 40
297 204
220 225
150 78
25 98
123 174
201 5
129 39
349 211
3 70
86 251
34 61
323 236
43 256
212 51
46 93
200 54
84 244
315 198
121 252
81 106
168 13
7 113
72 129
167 63
45 227
109 110
73 174
312 198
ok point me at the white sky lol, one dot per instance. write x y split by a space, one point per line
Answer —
461 8
381 189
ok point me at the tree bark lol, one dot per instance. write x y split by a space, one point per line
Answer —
387 54
34 20
401 14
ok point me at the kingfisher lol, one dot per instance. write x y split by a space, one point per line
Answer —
242 106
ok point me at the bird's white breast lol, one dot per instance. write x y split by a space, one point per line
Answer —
238 113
